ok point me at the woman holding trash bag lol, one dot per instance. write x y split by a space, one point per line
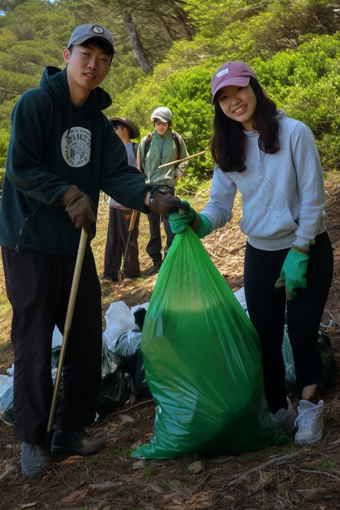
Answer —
274 163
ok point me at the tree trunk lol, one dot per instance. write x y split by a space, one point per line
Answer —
165 27
181 21
136 43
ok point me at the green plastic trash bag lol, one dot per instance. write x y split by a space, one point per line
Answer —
203 362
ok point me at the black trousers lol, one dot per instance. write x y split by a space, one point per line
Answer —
38 287
154 247
266 307
117 236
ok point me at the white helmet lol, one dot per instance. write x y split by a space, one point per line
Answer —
162 113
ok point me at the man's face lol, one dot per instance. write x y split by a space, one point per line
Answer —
119 131
87 67
161 127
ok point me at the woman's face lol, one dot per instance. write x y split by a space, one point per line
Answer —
161 127
239 103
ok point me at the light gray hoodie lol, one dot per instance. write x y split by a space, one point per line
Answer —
283 194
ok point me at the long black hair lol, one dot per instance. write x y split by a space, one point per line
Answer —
228 141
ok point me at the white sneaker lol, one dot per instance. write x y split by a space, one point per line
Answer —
309 422
284 419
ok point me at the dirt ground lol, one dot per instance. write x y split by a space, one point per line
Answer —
286 477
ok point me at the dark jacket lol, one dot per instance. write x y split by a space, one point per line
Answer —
53 145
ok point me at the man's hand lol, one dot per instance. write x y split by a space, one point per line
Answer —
166 204
199 223
78 207
293 271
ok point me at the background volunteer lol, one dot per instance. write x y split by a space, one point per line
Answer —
120 217
162 149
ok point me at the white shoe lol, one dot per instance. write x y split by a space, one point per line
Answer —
284 419
309 422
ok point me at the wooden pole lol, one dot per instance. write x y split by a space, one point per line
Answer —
183 159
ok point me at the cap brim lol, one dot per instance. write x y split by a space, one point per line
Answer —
237 81
160 118
81 40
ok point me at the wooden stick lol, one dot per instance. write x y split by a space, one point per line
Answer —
67 327
183 159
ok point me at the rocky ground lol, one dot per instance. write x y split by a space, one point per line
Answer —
285 477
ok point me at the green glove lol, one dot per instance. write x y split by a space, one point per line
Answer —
293 271
179 222
205 226
199 223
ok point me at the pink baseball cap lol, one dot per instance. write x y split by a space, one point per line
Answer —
231 73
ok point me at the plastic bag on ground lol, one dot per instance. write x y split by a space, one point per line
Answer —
115 389
329 362
6 399
128 347
203 362
119 319
116 385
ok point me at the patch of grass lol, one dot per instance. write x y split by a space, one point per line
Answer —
4 343
328 419
287 495
190 481
127 453
146 472
323 466
164 486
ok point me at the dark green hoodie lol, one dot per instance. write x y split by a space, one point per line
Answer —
53 145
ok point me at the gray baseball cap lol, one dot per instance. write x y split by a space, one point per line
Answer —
162 113
84 32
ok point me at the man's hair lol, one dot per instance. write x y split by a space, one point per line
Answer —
228 141
116 124
99 43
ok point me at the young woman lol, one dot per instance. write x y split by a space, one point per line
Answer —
274 163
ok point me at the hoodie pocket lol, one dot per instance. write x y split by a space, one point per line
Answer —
268 224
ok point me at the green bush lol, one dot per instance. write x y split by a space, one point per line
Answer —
4 141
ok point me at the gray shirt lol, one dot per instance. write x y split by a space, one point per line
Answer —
133 162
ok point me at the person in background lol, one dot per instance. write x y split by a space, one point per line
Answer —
158 148
62 152
274 162
120 217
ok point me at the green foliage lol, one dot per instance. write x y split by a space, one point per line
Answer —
4 141
306 84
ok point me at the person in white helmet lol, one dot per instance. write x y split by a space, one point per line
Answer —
158 148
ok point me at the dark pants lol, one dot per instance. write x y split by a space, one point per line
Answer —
117 236
266 307
38 287
154 247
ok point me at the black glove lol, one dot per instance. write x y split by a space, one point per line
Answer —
79 208
166 204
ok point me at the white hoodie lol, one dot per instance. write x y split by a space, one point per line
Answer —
283 194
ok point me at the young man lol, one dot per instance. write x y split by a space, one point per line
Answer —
121 216
156 149
62 151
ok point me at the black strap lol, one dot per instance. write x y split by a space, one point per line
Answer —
135 148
